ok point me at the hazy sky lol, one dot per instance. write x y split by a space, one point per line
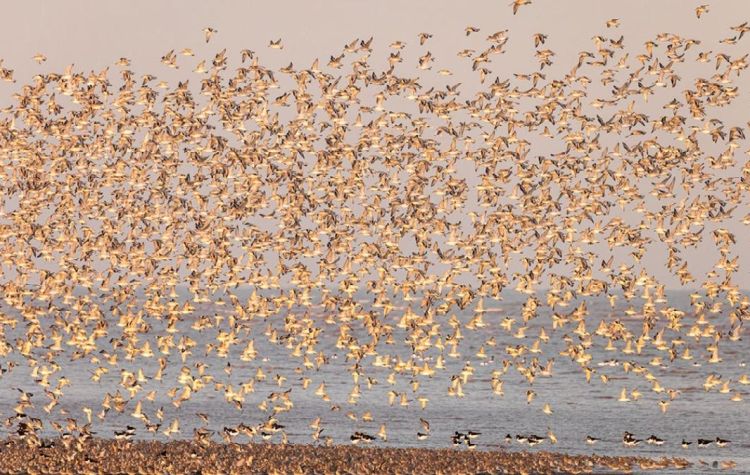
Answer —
93 34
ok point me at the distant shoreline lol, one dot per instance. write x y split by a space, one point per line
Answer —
116 456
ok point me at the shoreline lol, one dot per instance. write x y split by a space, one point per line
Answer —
185 456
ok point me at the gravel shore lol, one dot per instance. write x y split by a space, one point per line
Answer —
113 456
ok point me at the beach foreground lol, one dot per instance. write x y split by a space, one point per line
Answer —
112 456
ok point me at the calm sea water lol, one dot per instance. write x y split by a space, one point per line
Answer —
579 408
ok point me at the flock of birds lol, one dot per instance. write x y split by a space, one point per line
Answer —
311 186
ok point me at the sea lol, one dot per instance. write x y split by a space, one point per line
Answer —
580 408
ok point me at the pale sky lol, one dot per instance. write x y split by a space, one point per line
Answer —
94 34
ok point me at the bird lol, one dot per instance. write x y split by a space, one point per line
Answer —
208 32
613 23
722 442
279 235
539 39
518 4
423 37
535 440
652 439
629 440
742 28
425 425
